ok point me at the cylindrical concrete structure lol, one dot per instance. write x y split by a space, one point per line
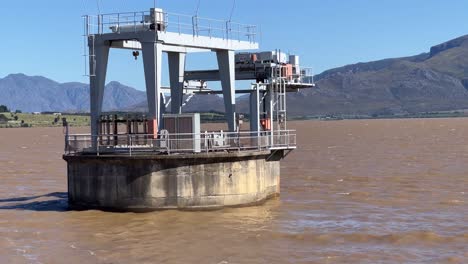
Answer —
188 181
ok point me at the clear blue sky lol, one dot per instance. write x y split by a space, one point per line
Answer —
44 37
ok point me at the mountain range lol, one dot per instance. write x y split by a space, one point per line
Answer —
428 82
39 94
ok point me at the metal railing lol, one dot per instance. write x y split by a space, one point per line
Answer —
133 144
304 75
307 75
168 22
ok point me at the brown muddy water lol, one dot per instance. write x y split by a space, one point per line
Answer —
380 191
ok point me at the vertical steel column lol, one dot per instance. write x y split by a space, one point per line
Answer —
108 129
269 109
97 81
152 55
255 110
176 75
255 117
116 131
228 82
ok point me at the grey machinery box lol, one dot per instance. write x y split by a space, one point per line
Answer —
184 131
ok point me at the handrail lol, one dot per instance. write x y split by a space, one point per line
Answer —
180 143
307 75
173 22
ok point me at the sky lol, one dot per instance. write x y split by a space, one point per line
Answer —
45 37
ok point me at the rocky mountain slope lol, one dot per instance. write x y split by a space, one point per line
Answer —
433 81
429 82
39 94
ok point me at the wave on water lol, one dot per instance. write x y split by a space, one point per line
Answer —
410 238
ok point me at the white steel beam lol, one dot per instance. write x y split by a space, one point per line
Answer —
182 40
136 45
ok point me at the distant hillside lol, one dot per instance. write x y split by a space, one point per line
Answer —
429 82
198 103
433 81
39 94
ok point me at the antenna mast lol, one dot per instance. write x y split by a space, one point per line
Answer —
98 6
232 10
198 8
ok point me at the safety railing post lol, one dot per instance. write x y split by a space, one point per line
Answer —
166 21
228 29
118 22
209 29
178 143
169 144
66 143
194 31
75 143
86 25
97 145
101 24
206 141
130 146
259 140
178 24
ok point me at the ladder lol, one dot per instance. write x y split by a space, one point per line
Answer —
279 97
89 48
277 100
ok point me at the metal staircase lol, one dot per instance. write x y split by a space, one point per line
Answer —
89 54
278 93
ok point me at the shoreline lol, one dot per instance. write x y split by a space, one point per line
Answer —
323 119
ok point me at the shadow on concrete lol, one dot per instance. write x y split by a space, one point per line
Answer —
60 204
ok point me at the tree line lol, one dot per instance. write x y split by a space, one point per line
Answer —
4 109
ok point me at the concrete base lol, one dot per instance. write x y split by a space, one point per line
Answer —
192 181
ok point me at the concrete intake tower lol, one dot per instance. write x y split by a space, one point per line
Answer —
162 159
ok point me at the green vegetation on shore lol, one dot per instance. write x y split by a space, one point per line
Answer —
18 119
4 108
447 114
12 120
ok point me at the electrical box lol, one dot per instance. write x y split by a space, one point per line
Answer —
294 60
273 57
287 71
243 58
156 16
153 128
156 19
246 58
184 132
